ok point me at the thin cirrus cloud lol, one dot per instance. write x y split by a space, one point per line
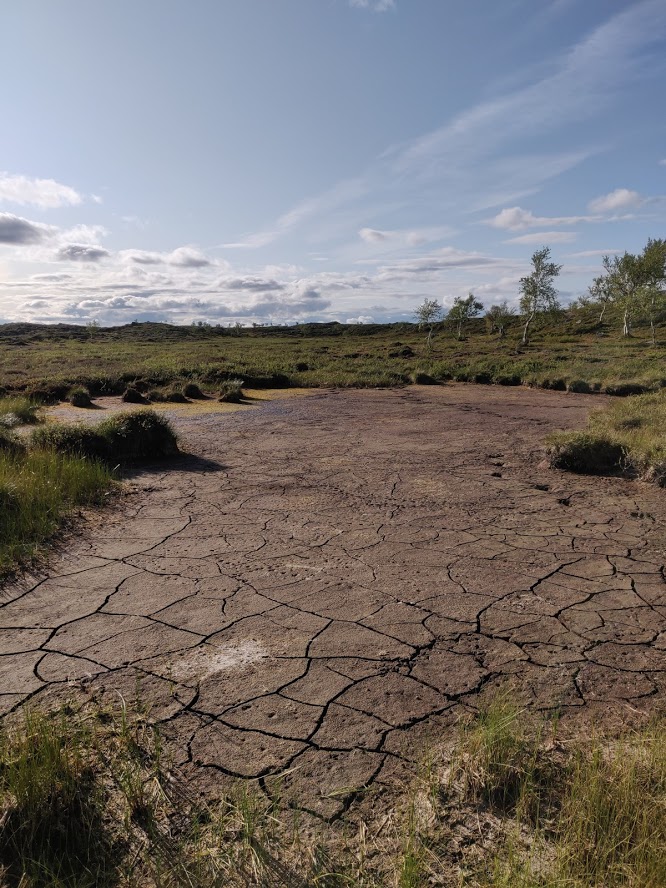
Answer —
464 160
43 193
407 237
543 237
374 5
518 219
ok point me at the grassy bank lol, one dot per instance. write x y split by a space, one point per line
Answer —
628 437
89 798
58 468
573 352
38 490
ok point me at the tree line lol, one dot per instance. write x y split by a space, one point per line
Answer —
634 284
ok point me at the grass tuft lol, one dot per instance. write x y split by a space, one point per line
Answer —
132 395
79 396
17 411
630 435
37 489
231 391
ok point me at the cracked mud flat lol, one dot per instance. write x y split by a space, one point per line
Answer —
331 581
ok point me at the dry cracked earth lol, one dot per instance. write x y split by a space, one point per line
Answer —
330 581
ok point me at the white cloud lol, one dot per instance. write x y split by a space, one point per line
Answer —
82 253
183 257
518 219
411 237
543 237
373 235
16 231
618 200
374 5
188 257
44 193
361 319
584 254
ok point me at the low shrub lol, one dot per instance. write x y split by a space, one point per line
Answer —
624 389
507 379
133 396
142 434
579 386
556 385
192 390
175 396
80 397
421 378
231 391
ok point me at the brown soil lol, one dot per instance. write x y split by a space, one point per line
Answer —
331 581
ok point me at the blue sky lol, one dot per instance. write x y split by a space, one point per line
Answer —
287 160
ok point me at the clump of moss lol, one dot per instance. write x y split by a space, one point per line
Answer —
192 390
231 391
79 396
175 396
132 395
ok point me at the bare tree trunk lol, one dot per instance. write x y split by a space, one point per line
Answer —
654 338
526 328
501 331
429 340
459 329
626 327
603 311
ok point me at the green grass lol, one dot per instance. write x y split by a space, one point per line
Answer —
60 467
572 353
17 411
628 436
88 796
38 489
125 437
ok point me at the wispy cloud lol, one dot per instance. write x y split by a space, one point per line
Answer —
588 254
455 169
543 237
410 237
374 5
518 219
43 193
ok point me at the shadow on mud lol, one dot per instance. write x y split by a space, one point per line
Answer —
186 462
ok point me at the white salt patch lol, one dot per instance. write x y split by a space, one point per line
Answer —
206 660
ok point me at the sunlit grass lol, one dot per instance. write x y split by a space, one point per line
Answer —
628 435
37 490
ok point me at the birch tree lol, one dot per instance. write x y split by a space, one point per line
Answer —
538 293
